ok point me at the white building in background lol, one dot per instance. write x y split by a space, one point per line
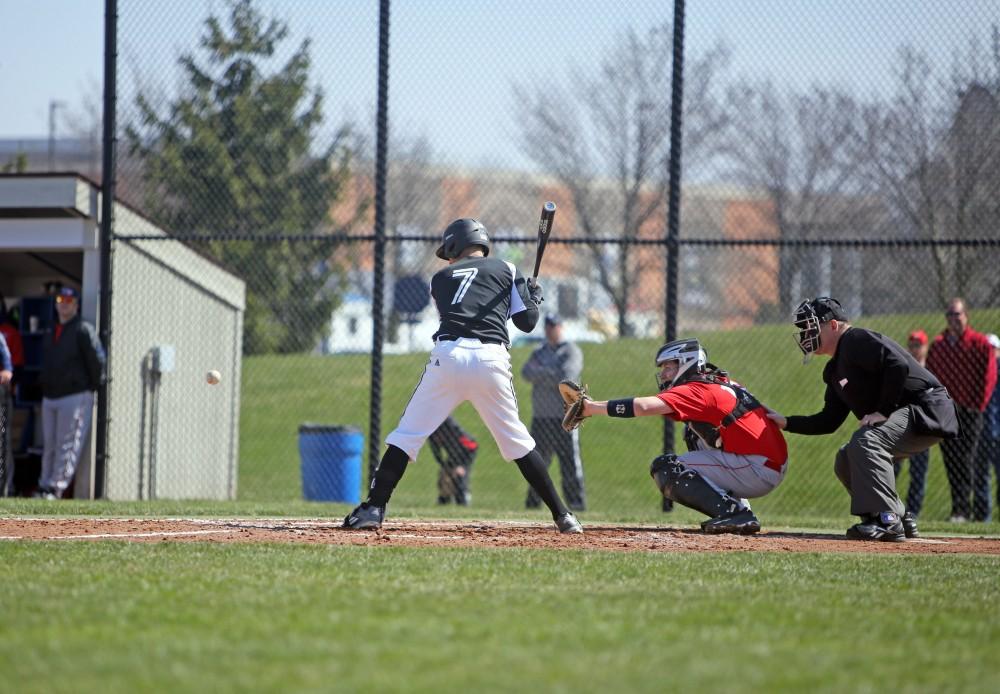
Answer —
176 315
352 327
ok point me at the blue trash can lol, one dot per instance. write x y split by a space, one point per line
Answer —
331 462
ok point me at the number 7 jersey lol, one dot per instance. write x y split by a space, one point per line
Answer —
476 296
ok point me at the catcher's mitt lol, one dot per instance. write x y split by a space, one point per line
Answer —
574 398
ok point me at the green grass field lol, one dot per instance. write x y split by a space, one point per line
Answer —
113 616
118 617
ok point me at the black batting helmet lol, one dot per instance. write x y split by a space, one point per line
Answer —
461 234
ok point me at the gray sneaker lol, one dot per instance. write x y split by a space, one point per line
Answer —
568 524
365 516
742 522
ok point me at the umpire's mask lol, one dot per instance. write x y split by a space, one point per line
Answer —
809 316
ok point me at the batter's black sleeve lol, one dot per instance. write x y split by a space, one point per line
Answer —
525 320
826 421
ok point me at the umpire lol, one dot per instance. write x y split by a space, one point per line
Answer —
903 410
555 360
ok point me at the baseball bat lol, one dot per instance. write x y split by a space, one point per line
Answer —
544 229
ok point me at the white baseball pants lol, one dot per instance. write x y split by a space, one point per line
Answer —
460 370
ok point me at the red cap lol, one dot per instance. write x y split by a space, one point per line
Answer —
918 336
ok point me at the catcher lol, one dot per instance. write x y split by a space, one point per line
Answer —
734 451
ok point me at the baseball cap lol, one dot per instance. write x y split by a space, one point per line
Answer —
552 319
993 340
918 336
68 293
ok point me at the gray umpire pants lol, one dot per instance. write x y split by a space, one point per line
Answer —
65 425
864 465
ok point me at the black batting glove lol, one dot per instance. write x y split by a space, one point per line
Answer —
534 291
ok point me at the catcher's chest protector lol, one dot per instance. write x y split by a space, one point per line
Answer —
708 432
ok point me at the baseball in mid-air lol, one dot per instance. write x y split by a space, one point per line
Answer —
213 377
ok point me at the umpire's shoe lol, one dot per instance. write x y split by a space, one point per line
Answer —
568 524
909 522
365 516
884 527
740 522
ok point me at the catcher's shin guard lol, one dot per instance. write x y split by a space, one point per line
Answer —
689 488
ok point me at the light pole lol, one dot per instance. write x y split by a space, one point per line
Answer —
53 106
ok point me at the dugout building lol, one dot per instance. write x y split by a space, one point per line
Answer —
176 315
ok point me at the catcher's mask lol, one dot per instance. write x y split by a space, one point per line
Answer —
461 234
690 358
810 316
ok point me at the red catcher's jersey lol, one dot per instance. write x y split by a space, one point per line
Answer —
752 434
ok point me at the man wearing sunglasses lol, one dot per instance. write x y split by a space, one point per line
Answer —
72 369
901 407
962 359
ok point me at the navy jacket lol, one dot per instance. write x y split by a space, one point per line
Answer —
74 363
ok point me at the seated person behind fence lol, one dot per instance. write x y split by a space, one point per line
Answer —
736 452
72 369
455 451
916 344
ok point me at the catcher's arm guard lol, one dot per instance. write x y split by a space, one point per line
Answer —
575 397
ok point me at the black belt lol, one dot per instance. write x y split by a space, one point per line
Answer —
452 338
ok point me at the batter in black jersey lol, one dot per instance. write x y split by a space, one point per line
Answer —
475 296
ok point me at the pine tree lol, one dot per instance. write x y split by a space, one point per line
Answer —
236 153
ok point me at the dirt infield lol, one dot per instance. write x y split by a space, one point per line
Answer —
501 534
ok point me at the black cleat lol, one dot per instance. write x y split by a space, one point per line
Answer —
568 524
883 527
910 525
742 522
365 516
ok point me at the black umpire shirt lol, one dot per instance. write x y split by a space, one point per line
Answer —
475 296
870 373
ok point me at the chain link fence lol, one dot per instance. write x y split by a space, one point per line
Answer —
849 151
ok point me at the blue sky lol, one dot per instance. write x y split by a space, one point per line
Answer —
453 61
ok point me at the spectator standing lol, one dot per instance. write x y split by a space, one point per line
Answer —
901 407
6 414
916 345
72 369
554 360
988 450
455 451
12 335
964 362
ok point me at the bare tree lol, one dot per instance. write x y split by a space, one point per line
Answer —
932 151
604 136
795 149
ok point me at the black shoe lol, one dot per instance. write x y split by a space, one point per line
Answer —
667 505
577 506
532 502
568 524
463 499
884 527
741 522
909 522
444 500
365 516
